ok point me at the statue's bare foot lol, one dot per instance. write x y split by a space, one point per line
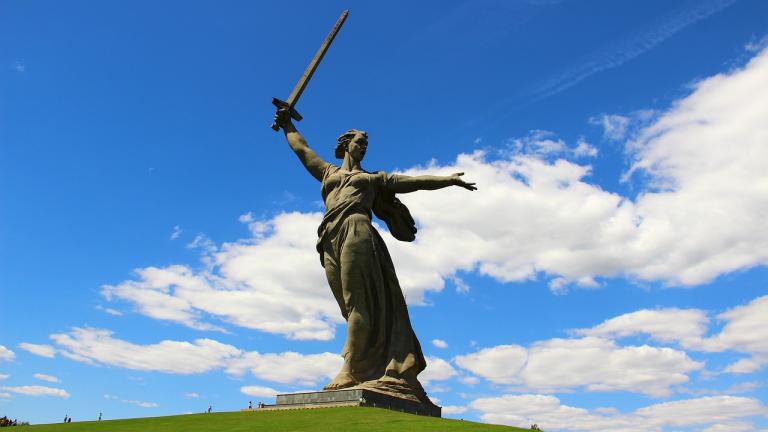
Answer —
342 380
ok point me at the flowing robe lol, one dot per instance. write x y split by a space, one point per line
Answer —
381 349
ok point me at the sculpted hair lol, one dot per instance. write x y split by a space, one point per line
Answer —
344 140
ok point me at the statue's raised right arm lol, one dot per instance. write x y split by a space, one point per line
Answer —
311 161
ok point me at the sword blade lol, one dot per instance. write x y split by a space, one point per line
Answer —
302 84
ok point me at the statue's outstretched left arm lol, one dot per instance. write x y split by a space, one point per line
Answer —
405 184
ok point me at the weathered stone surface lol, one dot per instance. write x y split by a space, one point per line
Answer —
350 397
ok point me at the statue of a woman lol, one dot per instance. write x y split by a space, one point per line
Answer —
381 352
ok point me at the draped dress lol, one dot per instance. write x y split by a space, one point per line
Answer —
381 349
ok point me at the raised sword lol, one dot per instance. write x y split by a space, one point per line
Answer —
290 104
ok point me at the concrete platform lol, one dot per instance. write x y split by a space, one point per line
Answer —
349 397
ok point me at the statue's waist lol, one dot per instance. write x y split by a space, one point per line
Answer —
332 223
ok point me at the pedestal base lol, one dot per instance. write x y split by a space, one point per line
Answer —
350 397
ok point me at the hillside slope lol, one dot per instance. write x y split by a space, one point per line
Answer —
316 420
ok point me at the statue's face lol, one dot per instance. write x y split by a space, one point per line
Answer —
357 147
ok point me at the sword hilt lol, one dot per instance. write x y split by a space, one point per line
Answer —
283 104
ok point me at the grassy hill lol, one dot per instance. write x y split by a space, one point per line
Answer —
316 420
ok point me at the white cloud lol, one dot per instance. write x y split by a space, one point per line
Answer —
557 223
141 404
550 414
5 395
246 218
192 395
437 370
686 326
176 232
44 377
453 410
743 387
584 149
248 288
109 311
259 391
730 427
4 376
614 126
501 364
40 350
37 391
99 347
745 366
6 354
439 343
547 144
744 331
288 367
591 363
534 215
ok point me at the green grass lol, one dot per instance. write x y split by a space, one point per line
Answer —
319 420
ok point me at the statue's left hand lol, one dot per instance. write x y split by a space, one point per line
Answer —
458 181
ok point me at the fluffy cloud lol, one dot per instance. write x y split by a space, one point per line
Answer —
744 331
288 367
546 143
4 376
591 363
439 343
549 413
501 364
684 326
98 346
614 125
437 370
595 362
6 354
259 391
44 377
703 155
453 409
700 215
37 391
40 350
246 287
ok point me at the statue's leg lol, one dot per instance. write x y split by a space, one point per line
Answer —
331 262
333 274
403 357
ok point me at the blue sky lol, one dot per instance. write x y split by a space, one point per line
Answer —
156 237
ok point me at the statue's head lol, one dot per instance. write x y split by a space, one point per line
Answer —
353 141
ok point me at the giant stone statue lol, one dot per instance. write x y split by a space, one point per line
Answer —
381 352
